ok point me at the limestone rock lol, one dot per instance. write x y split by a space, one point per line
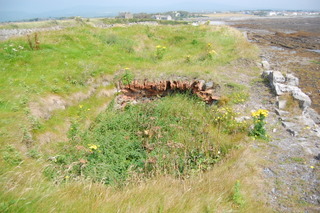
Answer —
281 112
288 124
281 104
312 114
277 82
276 77
281 89
265 65
266 73
303 99
292 80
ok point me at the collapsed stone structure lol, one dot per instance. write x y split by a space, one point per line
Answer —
289 85
147 90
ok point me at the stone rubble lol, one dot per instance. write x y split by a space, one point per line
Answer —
146 90
8 33
289 85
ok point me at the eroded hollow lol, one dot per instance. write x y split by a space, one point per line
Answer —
140 91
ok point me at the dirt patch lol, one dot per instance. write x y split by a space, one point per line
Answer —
43 108
80 96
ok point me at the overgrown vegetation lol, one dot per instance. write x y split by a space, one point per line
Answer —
164 147
176 136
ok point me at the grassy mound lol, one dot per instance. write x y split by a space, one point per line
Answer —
58 163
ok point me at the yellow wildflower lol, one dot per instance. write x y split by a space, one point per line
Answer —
158 46
259 112
312 167
93 147
80 106
213 52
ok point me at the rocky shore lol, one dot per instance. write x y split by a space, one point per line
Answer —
8 33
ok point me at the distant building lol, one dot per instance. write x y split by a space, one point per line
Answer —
162 17
272 13
126 15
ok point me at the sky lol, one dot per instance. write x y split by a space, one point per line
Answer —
18 8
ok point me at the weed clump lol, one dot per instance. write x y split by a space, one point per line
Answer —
34 43
11 156
237 196
160 51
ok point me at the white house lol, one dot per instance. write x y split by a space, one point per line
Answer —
162 17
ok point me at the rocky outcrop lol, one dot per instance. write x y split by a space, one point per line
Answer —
138 90
284 85
289 85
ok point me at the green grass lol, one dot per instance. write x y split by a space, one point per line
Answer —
67 59
171 137
145 149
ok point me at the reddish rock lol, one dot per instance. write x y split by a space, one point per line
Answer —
144 89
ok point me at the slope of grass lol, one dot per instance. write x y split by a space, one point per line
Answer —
67 62
25 190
